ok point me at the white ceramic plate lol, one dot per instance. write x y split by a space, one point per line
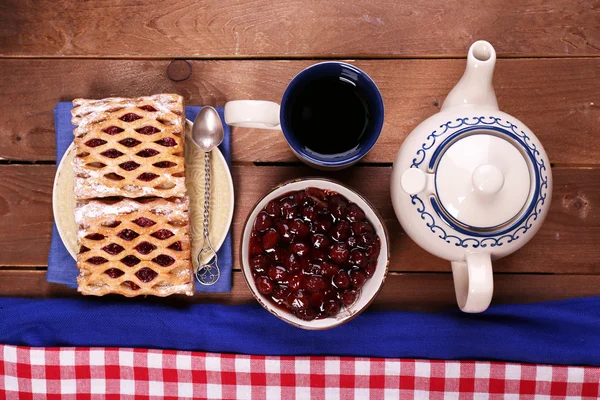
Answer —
221 201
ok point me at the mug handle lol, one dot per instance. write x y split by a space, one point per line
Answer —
473 282
252 114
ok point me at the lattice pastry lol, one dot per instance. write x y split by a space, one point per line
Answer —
134 247
129 147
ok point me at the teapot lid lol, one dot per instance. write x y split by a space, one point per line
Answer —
482 181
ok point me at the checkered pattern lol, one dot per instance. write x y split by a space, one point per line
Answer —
99 373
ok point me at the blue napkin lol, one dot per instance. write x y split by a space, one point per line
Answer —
562 332
61 266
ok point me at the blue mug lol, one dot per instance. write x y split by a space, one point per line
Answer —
331 115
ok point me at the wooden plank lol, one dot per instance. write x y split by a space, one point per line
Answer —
558 99
281 28
415 292
567 243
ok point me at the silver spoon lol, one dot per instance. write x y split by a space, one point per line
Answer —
207 133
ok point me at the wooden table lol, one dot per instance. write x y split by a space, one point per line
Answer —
547 74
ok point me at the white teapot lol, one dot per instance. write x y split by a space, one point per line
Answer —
471 183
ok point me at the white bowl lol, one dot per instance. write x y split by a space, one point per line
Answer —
368 291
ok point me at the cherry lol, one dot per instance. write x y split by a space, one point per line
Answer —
260 263
357 257
299 300
339 253
284 231
127 234
329 269
145 248
147 176
309 214
263 221
319 240
130 285
318 254
306 314
299 248
317 300
97 260
162 234
332 307
341 231
95 142
130 260
361 227
176 246
338 206
273 208
349 297
113 130
130 117
280 294
113 249
129 165
358 278
255 246
312 268
147 130
147 153
341 280
316 194
83 249
146 274
277 274
111 153
163 260
278 254
143 222
289 209
95 236
114 272
370 268
147 108
366 239
295 281
264 285
129 142
164 164
352 242
292 262
323 225
299 228
314 284
373 251
270 239
300 197
167 142
355 213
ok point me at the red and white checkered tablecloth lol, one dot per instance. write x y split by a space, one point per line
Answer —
111 373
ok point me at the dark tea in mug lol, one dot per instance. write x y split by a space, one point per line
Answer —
329 116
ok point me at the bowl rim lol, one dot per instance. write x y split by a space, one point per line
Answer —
269 308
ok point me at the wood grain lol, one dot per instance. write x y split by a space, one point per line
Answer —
285 28
567 243
414 292
558 99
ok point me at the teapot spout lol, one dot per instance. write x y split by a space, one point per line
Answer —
475 86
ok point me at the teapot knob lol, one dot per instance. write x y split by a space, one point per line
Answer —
487 179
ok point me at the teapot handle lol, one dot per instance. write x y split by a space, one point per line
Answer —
473 282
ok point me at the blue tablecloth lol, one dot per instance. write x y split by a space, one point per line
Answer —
61 266
562 332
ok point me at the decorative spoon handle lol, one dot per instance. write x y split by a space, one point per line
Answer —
208 273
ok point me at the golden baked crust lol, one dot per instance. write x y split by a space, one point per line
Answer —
125 150
134 247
